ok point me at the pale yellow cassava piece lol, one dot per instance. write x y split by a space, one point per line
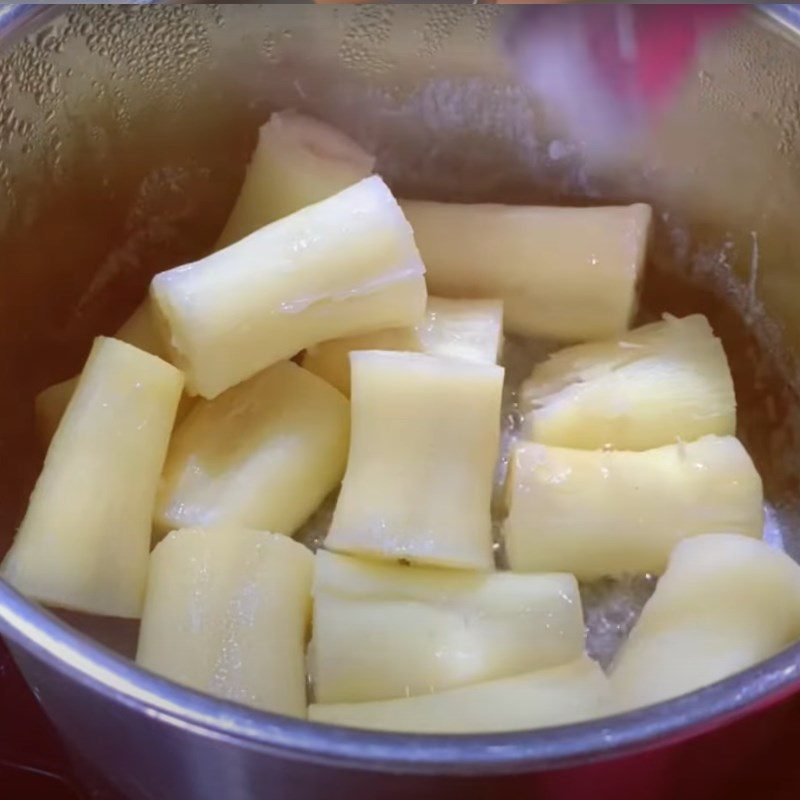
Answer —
263 454
386 630
344 266
50 405
297 161
226 612
725 603
140 330
559 695
659 384
423 447
85 539
563 273
596 513
468 329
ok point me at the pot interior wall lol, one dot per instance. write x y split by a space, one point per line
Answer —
124 133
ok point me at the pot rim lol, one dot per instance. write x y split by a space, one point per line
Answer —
34 630
77 657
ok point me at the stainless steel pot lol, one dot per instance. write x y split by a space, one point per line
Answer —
123 136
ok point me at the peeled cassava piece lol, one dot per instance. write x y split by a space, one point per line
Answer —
263 454
423 447
85 539
344 266
563 273
724 603
596 513
297 161
50 405
227 611
467 329
655 385
388 630
140 330
555 696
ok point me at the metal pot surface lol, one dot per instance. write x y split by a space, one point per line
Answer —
124 132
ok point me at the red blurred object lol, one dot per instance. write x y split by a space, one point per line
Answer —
647 49
753 759
605 71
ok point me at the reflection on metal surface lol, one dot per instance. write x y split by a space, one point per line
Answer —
788 13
